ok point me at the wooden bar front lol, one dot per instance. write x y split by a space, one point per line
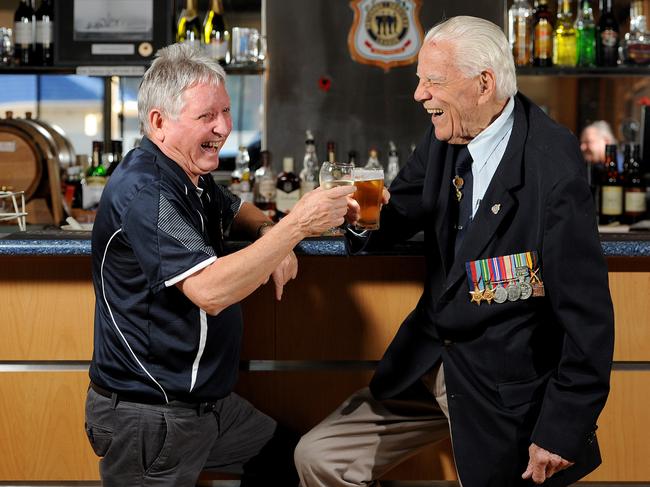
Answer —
339 309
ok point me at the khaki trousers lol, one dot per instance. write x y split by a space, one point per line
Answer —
364 437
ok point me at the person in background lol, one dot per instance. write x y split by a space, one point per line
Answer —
168 324
509 349
593 139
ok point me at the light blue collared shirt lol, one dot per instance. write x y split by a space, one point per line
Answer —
487 150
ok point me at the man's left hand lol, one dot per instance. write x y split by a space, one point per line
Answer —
283 273
542 464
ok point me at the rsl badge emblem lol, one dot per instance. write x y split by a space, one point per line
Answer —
385 33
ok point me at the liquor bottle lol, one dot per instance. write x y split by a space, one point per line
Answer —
331 151
264 189
215 34
116 156
309 173
188 28
586 35
373 160
634 189
564 39
96 167
607 38
393 164
611 190
520 32
24 34
95 180
44 51
636 43
240 178
542 35
288 188
353 157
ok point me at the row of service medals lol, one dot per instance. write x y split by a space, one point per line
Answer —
507 278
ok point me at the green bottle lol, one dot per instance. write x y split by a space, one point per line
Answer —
585 27
97 169
564 39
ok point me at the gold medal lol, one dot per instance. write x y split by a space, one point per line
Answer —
488 294
476 294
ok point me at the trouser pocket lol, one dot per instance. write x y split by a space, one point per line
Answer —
100 439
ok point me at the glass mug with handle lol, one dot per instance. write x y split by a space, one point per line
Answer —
334 174
370 188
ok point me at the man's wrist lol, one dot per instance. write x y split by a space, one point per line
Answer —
263 228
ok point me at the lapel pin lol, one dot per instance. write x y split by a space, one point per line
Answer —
496 208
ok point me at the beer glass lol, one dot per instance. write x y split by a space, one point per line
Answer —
370 185
334 174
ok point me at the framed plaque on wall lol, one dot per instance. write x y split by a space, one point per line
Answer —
109 32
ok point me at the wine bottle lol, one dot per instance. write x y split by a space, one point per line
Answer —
24 34
215 34
188 28
44 50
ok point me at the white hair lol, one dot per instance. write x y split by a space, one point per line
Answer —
175 69
479 45
604 129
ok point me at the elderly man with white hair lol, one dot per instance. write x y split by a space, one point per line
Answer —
509 348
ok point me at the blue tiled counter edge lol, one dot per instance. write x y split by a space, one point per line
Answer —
58 243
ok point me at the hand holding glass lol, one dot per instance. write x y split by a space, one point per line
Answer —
370 187
334 174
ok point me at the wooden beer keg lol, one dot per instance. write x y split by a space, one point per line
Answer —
30 161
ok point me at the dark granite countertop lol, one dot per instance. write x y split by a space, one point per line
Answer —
67 243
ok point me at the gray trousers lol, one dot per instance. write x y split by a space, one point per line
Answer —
364 438
150 445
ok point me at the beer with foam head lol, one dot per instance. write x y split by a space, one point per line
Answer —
370 185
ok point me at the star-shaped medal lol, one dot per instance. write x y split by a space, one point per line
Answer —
488 295
477 296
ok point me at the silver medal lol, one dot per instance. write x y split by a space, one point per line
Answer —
526 290
514 292
500 295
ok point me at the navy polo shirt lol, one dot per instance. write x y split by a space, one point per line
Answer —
154 228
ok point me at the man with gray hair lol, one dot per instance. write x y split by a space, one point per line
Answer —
509 348
168 324
593 140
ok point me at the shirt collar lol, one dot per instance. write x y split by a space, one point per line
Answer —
183 179
482 146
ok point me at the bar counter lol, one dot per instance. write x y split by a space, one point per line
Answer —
300 357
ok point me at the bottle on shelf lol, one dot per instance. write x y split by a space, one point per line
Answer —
240 178
116 156
44 47
216 37
288 188
520 32
542 35
353 157
264 189
611 189
95 178
564 38
393 164
585 27
188 28
310 166
634 189
331 151
24 34
636 43
607 38
373 160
